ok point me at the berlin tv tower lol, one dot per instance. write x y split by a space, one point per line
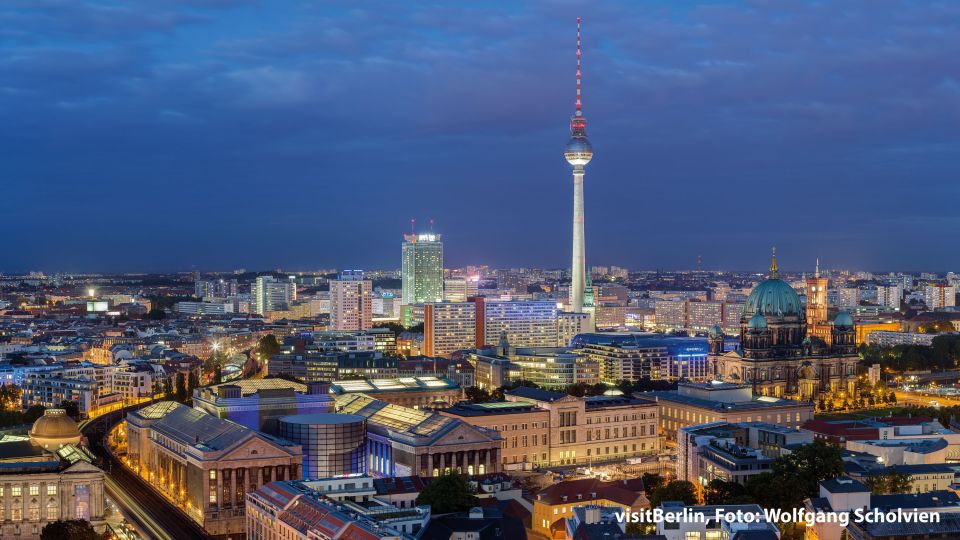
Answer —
578 153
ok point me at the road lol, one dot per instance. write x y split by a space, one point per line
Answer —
146 509
910 398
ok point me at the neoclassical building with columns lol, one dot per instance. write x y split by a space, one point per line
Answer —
777 355
204 464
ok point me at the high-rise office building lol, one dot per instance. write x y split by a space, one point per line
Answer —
449 327
422 269
351 302
268 294
890 295
458 289
939 296
526 324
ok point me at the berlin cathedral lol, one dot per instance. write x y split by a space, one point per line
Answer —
786 351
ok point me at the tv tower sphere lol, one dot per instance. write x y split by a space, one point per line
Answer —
578 152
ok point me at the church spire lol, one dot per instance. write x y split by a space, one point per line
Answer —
774 270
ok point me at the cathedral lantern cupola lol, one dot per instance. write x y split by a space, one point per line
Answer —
715 339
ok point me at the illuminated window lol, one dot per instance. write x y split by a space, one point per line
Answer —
51 489
15 491
34 489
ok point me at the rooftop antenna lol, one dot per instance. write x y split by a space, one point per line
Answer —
578 68
699 263
413 229
431 225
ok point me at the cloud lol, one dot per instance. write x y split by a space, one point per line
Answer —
371 113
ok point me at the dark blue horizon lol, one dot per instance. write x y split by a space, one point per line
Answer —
217 134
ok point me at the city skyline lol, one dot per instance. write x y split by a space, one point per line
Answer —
158 153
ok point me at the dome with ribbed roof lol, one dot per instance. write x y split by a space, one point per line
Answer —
843 319
54 429
773 297
757 322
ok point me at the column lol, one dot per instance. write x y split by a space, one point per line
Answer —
476 462
232 486
219 489
429 465
443 462
259 476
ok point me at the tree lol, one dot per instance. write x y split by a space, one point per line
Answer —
10 395
268 346
167 388
156 314
722 492
217 374
888 483
677 490
476 394
651 481
72 529
181 387
192 383
72 409
448 493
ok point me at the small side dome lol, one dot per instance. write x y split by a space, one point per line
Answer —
54 430
716 331
757 322
843 319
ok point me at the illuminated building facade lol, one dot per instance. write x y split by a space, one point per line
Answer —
525 323
776 357
351 302
421 270
449 327
594 429
268 294
408 442
258 403
818 325
205 464
45 478
939 296
333 444
701 403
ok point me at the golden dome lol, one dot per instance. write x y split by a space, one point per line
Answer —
54 429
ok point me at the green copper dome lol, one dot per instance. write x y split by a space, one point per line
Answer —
843 319
773 298
757 322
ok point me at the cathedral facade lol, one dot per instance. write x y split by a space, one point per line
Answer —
776 356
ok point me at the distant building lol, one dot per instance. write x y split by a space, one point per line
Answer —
525 323
449 327
571 324
268 294
939 296
635 356
889 338
479 523
422 269
351 299
890 296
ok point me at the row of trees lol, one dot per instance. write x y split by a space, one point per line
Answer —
480 395
792 479
943 354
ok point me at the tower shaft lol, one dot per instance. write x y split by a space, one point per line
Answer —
578 265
